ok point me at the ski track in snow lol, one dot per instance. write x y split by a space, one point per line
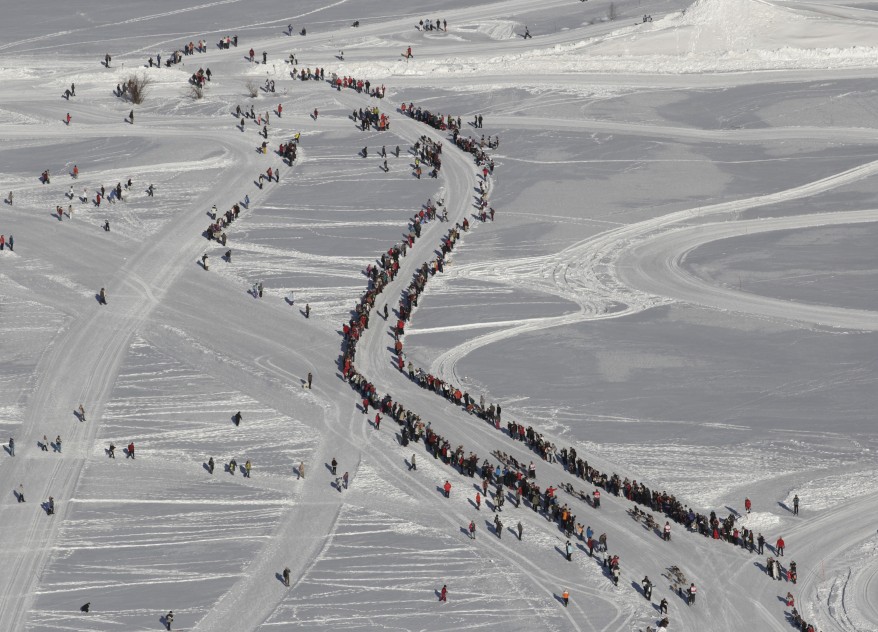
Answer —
176 351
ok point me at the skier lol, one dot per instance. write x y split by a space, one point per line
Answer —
472 529
527 33
691 594
334 465
443 594
286 576
210 465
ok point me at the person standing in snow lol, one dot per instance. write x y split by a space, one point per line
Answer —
286 576
691 594
779 546
747 504
310 378
130 454
21 492
301 470
443 594
478 501
414 463
345 479
795 498
568 550
447 489
169 619
565 597
210 465
11 446
334 465
520 530
646 584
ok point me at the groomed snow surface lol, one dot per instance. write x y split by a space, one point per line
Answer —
680 282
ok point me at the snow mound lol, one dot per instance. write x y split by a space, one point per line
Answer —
823 493
494 29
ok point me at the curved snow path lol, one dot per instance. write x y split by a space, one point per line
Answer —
589 274
657 266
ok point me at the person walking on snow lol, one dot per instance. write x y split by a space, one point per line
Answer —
747 504
691 594
443 594
565 597
568 550
11 446
478 498
472 529
21 492
779 546
447 489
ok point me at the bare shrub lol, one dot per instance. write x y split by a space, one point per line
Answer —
138 87
252 88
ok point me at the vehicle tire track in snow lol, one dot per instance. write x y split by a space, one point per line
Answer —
588 273
80 366
657 266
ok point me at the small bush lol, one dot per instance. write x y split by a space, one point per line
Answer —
138 87
252 88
